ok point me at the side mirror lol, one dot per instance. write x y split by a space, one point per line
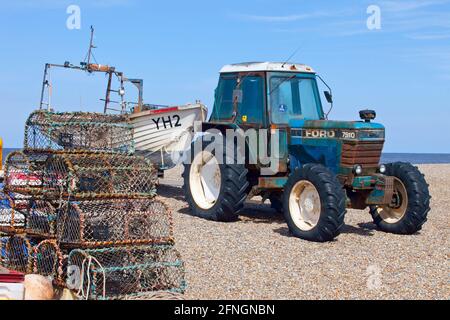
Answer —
328 96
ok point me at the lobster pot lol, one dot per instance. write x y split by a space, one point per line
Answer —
93 132
24 172
11 220
40 218
114 222
16 254
48 260
99 175
3 255
115 273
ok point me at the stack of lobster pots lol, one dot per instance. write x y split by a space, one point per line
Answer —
79 206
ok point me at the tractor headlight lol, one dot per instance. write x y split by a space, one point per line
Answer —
375 134
357 169
382 169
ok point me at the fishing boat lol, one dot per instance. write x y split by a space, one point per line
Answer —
161 133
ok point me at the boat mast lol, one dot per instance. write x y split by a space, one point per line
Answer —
90 68
44 84
91 46
90 65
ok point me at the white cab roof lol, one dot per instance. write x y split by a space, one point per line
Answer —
266 66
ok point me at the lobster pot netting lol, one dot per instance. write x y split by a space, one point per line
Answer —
19 213
161 295
78 131
115 273
48 261
16 253
114 222
3 256
11 220
40 218
24 172
95 175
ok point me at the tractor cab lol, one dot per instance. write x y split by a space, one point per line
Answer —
260 94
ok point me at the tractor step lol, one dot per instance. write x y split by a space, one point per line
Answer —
271 182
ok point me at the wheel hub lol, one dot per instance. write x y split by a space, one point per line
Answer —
304 205
205 180
394 212
309 205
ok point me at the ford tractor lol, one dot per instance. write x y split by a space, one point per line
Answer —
322 167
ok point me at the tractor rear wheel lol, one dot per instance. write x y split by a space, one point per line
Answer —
410 203
214 189
314 203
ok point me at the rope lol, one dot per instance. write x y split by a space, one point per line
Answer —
81 289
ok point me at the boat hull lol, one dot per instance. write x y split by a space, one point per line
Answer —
162 135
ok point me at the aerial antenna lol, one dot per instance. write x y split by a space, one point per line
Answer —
90 54
292 55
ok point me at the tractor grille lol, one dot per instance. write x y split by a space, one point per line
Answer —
366 154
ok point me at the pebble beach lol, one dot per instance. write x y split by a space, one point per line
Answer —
257 258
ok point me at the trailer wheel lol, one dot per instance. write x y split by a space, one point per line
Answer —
314 203
410 204
214 189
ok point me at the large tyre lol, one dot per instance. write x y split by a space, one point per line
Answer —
314 203
214 189
410 204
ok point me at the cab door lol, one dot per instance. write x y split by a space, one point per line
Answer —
250 95
251 111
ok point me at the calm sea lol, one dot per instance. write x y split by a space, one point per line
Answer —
416 158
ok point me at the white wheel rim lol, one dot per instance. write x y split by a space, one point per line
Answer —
304 205
393 214
205 180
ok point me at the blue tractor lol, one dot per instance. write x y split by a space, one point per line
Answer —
323 167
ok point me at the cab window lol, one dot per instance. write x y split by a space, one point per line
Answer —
292 96
223 103
250 91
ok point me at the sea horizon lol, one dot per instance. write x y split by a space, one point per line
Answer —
387 157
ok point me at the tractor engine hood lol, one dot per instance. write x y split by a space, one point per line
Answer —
331 124
346 130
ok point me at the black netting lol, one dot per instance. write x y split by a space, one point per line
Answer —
40 218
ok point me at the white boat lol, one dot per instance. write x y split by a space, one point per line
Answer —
163 134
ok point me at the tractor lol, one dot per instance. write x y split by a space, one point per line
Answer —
323 166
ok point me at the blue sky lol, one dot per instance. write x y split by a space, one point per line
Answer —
402 70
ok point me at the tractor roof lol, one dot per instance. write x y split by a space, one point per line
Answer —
266 66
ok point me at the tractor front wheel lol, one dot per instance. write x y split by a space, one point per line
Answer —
410 203
314 203
215 188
